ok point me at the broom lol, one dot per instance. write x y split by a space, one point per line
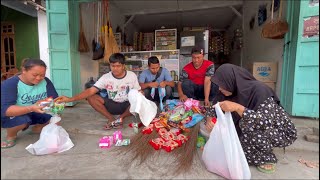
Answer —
83 45
186 154
139 149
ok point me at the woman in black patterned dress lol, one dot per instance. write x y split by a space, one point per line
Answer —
260 120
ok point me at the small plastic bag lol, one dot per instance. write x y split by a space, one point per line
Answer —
223 153
162 94
53 138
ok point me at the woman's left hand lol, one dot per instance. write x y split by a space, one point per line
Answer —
228 106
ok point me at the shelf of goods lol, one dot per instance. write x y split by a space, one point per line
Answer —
166 39
137 61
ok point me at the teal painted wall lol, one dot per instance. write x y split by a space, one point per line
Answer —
26 33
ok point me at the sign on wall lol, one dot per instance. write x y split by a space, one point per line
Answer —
311 26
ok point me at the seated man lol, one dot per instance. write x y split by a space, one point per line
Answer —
195 79
117 83
154 77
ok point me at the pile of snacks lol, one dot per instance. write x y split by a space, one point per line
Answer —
116 139
173 125
51 107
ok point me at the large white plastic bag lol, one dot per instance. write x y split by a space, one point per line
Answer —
223 153
53 138
146 109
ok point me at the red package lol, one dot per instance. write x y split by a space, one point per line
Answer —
168 136
158 125
214 120
169 146
156 143
148 129
186 120
181 139
155 120
175 131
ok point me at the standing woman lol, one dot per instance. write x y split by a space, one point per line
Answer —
260 121
19 97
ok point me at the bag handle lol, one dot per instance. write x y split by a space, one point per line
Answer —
158 74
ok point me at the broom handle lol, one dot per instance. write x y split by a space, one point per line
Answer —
272 7
280 9
81 26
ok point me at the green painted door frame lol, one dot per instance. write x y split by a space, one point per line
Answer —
63 30
300 73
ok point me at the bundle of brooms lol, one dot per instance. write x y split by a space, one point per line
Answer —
140 150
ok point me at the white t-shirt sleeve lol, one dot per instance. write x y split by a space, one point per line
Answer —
136 83
101 83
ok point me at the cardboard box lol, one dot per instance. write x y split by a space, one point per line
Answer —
272 85
265 71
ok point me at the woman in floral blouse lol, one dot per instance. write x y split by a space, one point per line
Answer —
260 120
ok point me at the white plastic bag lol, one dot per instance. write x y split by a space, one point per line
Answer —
146 109
53 138
223 153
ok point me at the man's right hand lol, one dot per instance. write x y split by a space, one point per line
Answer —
183 98
154 84
64 99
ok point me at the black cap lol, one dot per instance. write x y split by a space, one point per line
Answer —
197 50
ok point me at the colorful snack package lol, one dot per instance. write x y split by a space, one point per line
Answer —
148 129
123 142
117 135
181 139
169 145
106 142
156 143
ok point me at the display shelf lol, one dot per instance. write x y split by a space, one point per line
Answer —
168 59
166 39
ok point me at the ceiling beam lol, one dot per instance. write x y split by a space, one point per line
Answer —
126 23
235 11
19 6
171 10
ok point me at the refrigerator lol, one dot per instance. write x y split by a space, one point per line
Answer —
190 39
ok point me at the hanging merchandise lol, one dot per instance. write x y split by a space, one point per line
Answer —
262 14
275 28
111 45
98 50
83 45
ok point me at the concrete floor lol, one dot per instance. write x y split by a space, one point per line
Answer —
87 161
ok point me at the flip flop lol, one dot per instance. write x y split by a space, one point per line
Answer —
263 169
117 124
8 143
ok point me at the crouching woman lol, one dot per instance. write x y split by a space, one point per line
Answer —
260 121
19 97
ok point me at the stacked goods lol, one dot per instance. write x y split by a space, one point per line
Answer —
148 41
266 72
140 41
218 43
166 39
135 41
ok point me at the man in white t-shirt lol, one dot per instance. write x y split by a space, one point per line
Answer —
117 83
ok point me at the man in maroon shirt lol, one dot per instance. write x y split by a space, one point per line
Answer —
195 79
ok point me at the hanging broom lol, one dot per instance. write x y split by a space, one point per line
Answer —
83 45
111 45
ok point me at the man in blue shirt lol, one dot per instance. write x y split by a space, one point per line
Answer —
155 77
